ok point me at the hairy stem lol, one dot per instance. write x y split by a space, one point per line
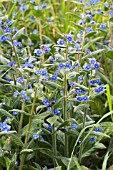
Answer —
54 144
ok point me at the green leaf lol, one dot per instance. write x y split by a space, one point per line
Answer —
5 113
76 163
52 85
111 19
7 133
4 60
90 34
14 136
26 151
104 165
109 54
78 26
19 111
19 33
92 149
11 11
72 13
16 139
52 119
109 97
77 2
93 53
104 77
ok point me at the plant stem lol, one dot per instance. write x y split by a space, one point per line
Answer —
81 147
23 107
21 120
27 134
54 144
65 102
14 49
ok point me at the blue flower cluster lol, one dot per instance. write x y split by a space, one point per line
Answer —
57 112
80 91
95 81
100 88
84 98
93 65
41 72
4 126
35 136
99 129
24 96
74 126
46 102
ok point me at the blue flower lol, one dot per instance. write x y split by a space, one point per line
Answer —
20 80
79 98
15 113
54 78
87 67
4 126
2 38
80 78
88 51
38 52
9 22
23 7
26 98
89 29
77 47
98 129
6 30
61 65
111 13
49 109
74 126
15 43
46 102
85 98
38 7
16 163
38 72
23 92
92 82
97 66
100 11
72 84
48 19
92 61
35 31
97 81
60 42
16 94
11 63
101 88
54 101
103 26
61 92
49 127
46 49
92 139
32 1
105 42
35 136
57 112
68 65
44 72
69 37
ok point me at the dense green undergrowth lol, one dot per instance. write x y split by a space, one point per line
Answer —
56 84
